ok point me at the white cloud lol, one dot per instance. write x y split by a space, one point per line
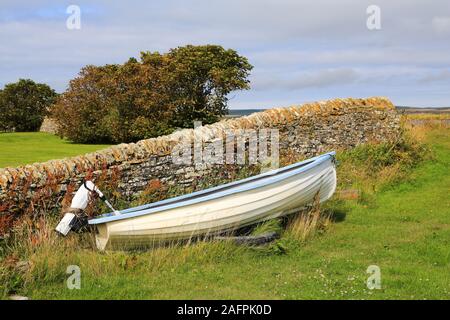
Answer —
441 25
440 76
352 56
306 79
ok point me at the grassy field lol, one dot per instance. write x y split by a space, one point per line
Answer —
400 222
28 147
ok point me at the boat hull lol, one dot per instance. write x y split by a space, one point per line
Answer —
263 199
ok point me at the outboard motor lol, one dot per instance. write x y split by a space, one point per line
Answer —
80 201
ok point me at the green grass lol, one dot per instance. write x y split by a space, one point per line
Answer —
28 147
404 228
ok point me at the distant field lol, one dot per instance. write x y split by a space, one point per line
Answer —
29 147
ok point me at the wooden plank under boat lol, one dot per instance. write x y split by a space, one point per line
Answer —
218 209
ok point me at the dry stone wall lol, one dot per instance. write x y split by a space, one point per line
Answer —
305 130
49 125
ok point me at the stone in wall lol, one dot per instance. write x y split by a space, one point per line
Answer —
49 125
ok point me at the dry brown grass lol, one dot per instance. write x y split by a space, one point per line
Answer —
427 116
35 253
419 125
307 223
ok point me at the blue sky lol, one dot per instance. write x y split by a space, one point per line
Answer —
301 50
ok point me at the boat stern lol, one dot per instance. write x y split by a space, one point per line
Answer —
102 236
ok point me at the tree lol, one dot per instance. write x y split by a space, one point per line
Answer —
113 104
152 96
24 104
84 113
3 126
200 79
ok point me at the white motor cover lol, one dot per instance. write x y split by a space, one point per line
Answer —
81 198
65 224
80 201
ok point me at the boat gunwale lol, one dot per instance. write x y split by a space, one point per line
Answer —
222 186
217 191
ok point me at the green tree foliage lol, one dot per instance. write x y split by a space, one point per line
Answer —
24 104
152 96
202 78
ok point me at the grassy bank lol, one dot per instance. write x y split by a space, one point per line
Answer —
399 221
21 148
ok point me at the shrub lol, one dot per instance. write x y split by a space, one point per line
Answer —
405 151
24 104
150 97
373 166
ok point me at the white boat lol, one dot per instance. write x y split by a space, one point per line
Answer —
222 208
